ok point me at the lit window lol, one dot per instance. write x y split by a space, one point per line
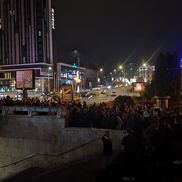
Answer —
39 33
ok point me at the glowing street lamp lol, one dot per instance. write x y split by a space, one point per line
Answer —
123 71
99 73
144 64
120 67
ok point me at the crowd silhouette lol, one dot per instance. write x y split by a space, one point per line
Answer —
154 135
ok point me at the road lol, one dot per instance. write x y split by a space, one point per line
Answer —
107 96
97 99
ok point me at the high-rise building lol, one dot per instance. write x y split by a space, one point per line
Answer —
25 38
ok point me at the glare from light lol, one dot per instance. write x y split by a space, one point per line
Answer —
120 67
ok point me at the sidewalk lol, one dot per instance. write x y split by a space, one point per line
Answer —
84 171
93 170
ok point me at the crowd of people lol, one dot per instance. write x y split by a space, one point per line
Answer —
34 101
154 134
153 144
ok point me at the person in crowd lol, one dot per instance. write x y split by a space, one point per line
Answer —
107 144
8 101
130 144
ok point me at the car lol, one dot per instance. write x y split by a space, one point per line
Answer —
2 95
19 95
83 94
103 92
113 94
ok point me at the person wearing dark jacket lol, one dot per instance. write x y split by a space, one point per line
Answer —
8 101
107 144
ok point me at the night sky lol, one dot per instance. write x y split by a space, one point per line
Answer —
110 32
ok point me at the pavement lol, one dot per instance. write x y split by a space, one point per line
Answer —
93 170
84 171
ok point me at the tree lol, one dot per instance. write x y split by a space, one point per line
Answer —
167 77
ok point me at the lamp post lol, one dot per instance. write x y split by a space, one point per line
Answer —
55 75
76 53
99 72
49 70
145 71
123 70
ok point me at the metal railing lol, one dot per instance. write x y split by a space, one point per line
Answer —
30 109
48 155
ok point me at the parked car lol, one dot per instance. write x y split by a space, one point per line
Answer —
2 95
103 92
113 94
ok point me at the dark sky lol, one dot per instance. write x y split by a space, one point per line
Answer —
109 32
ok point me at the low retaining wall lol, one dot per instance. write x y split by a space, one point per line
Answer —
30 110
42 142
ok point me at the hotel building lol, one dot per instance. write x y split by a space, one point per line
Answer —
25 41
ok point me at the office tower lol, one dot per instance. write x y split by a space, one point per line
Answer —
25 36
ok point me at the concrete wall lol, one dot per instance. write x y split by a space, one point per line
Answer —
21 136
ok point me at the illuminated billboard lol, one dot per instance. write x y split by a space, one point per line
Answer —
138 87
25 79
67 93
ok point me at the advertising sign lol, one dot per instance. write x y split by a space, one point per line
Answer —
25 79
67 93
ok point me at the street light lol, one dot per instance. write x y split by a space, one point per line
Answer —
76 53
123 71
120 67
144 64
49 69
98 78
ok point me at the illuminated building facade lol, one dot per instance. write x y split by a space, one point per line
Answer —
145 73
25 39
79 77
70 75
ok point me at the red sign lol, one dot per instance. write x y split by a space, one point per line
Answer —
138 87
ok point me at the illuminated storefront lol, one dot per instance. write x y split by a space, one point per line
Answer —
70 75
43 77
